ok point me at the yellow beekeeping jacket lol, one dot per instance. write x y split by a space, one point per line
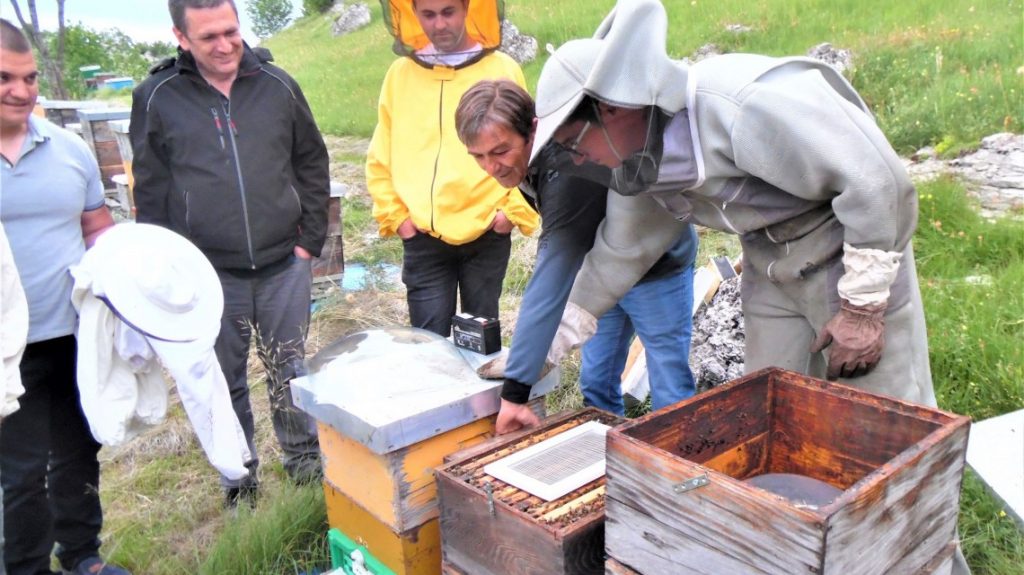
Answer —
416 166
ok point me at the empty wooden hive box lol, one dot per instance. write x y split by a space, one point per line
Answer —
390 404
681 499
102 140
490 527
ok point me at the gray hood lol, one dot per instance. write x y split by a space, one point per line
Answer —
625 64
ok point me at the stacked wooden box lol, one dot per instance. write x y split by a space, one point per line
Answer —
64 113
97 132
390 405
677 500
330 264
387 501
489 527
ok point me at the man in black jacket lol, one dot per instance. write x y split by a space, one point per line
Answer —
226 153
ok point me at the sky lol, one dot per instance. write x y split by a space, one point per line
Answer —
143 20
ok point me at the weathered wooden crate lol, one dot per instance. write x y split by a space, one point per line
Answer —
97 132
64 113
491 527
678 502
330 264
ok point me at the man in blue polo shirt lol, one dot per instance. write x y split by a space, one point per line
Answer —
51 206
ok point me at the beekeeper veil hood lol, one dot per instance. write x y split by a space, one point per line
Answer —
625 64
482 25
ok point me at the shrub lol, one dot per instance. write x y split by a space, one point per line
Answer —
313 7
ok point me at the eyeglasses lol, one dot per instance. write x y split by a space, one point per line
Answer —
571 148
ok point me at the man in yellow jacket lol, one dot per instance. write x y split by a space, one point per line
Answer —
455 221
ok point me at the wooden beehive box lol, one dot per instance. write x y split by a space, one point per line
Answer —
414 551
677 501
330 264
491 527
97 132
64 113
390 405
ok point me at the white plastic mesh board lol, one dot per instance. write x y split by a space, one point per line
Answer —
557 465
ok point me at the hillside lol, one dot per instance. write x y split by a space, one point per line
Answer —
944 72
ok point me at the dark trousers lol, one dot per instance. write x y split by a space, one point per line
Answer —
48 466
276 302
434 272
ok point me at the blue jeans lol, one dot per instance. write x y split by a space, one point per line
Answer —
658 311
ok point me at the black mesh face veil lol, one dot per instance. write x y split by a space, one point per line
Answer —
635 176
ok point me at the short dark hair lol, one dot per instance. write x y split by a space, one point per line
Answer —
586 111
177 9
13 39
465 4
494 102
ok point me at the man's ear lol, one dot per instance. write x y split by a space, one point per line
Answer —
182 39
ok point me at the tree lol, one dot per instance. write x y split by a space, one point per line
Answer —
268 16
111 50
52 66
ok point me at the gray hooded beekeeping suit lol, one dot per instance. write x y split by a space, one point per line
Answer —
780 151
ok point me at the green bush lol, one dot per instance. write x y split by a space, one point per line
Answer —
312 7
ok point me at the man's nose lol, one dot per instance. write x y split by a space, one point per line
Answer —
491 166
19 89
223 44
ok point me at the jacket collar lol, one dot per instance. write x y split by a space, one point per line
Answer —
252 60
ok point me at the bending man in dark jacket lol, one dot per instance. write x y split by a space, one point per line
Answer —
495 120
226 153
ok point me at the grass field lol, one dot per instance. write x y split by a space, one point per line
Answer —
941 73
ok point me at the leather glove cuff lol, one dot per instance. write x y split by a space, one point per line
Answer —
856 337
871 313
515 392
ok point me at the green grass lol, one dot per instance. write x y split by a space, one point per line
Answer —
991 542
363 243
932 71
288 535
163 512
971 273
340 76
